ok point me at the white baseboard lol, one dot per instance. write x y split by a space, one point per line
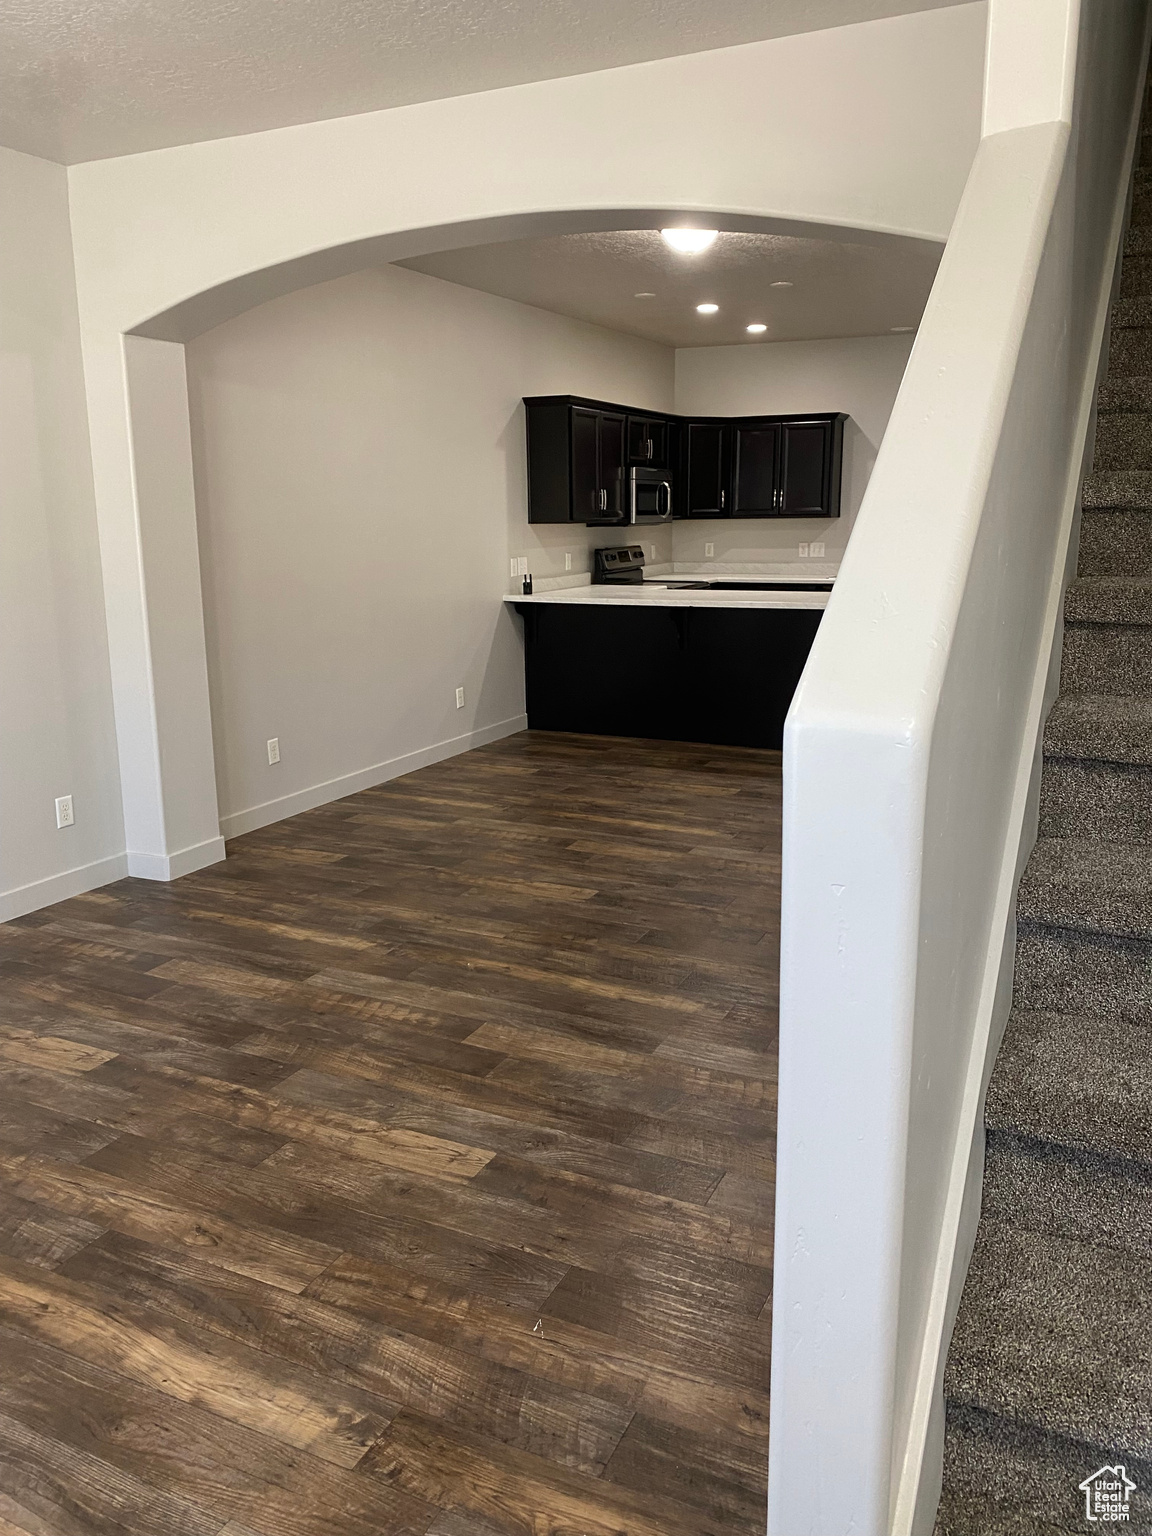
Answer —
264 815
73 882
170 866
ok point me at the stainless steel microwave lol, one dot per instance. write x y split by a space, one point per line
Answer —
649 496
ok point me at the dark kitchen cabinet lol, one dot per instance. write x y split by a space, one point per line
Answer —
723 675
648 441
706 469
809 473
580 454
576 468
755 468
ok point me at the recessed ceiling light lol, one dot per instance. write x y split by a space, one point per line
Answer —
757 327
689 242
707 309
780 285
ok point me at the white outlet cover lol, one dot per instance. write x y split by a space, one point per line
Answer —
273 750
803 548
567 562
816 551
64 813
709 550
459 698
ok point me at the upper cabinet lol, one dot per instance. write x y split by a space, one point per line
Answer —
576 461
648 441
581 454
766 466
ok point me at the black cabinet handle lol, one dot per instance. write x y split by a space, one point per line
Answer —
721 501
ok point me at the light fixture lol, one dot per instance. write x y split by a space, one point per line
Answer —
780 285
689 242
707 309
757 328
643 295
901 330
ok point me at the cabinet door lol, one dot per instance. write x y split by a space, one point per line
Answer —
585 465
648 441
612 465
805 469
707 470
756 446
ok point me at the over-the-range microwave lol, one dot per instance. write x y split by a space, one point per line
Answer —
649 496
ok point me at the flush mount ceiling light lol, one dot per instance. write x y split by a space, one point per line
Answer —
689 242
901 330
707 309
643 295
780 285
757 328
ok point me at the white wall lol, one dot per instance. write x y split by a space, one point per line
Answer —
360 481
860 376
57 733
869 127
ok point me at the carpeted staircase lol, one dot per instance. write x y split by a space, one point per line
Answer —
1050 1370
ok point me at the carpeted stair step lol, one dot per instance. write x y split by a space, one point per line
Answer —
1116 541
1136 277
1118 488
1107 655
1082 1086
1134 394
1078 885
1081 971
1123 441
1109 600
1138 240
1007 1479
1130 342
1056 1333
1097 779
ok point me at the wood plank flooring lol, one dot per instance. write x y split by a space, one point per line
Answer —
411 1171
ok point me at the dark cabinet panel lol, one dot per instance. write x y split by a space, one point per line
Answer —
585 466
723 675
648 441
754 479
611 466
706 454
806 469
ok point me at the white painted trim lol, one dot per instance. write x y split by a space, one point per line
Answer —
72 882
365 778
915 1505
170 866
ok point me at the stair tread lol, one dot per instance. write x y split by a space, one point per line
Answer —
1114 728
1109 600
1080 883
1057 1333
1077 1082
1118 488
1007 1479
1132 394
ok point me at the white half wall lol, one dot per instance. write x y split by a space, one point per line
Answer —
860 375
57 734
360 469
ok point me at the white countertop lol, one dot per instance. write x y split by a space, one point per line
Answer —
655 592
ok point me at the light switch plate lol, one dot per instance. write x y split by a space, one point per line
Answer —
803 549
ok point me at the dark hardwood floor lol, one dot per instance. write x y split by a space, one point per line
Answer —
412 1171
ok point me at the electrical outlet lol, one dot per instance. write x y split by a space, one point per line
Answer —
459 698
273 750
64 814
567 560
803 548
651 551
521 566
709 551
816 551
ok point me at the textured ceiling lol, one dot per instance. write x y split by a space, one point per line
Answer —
838 288
111 77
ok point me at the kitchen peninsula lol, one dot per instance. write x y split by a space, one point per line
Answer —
687 656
